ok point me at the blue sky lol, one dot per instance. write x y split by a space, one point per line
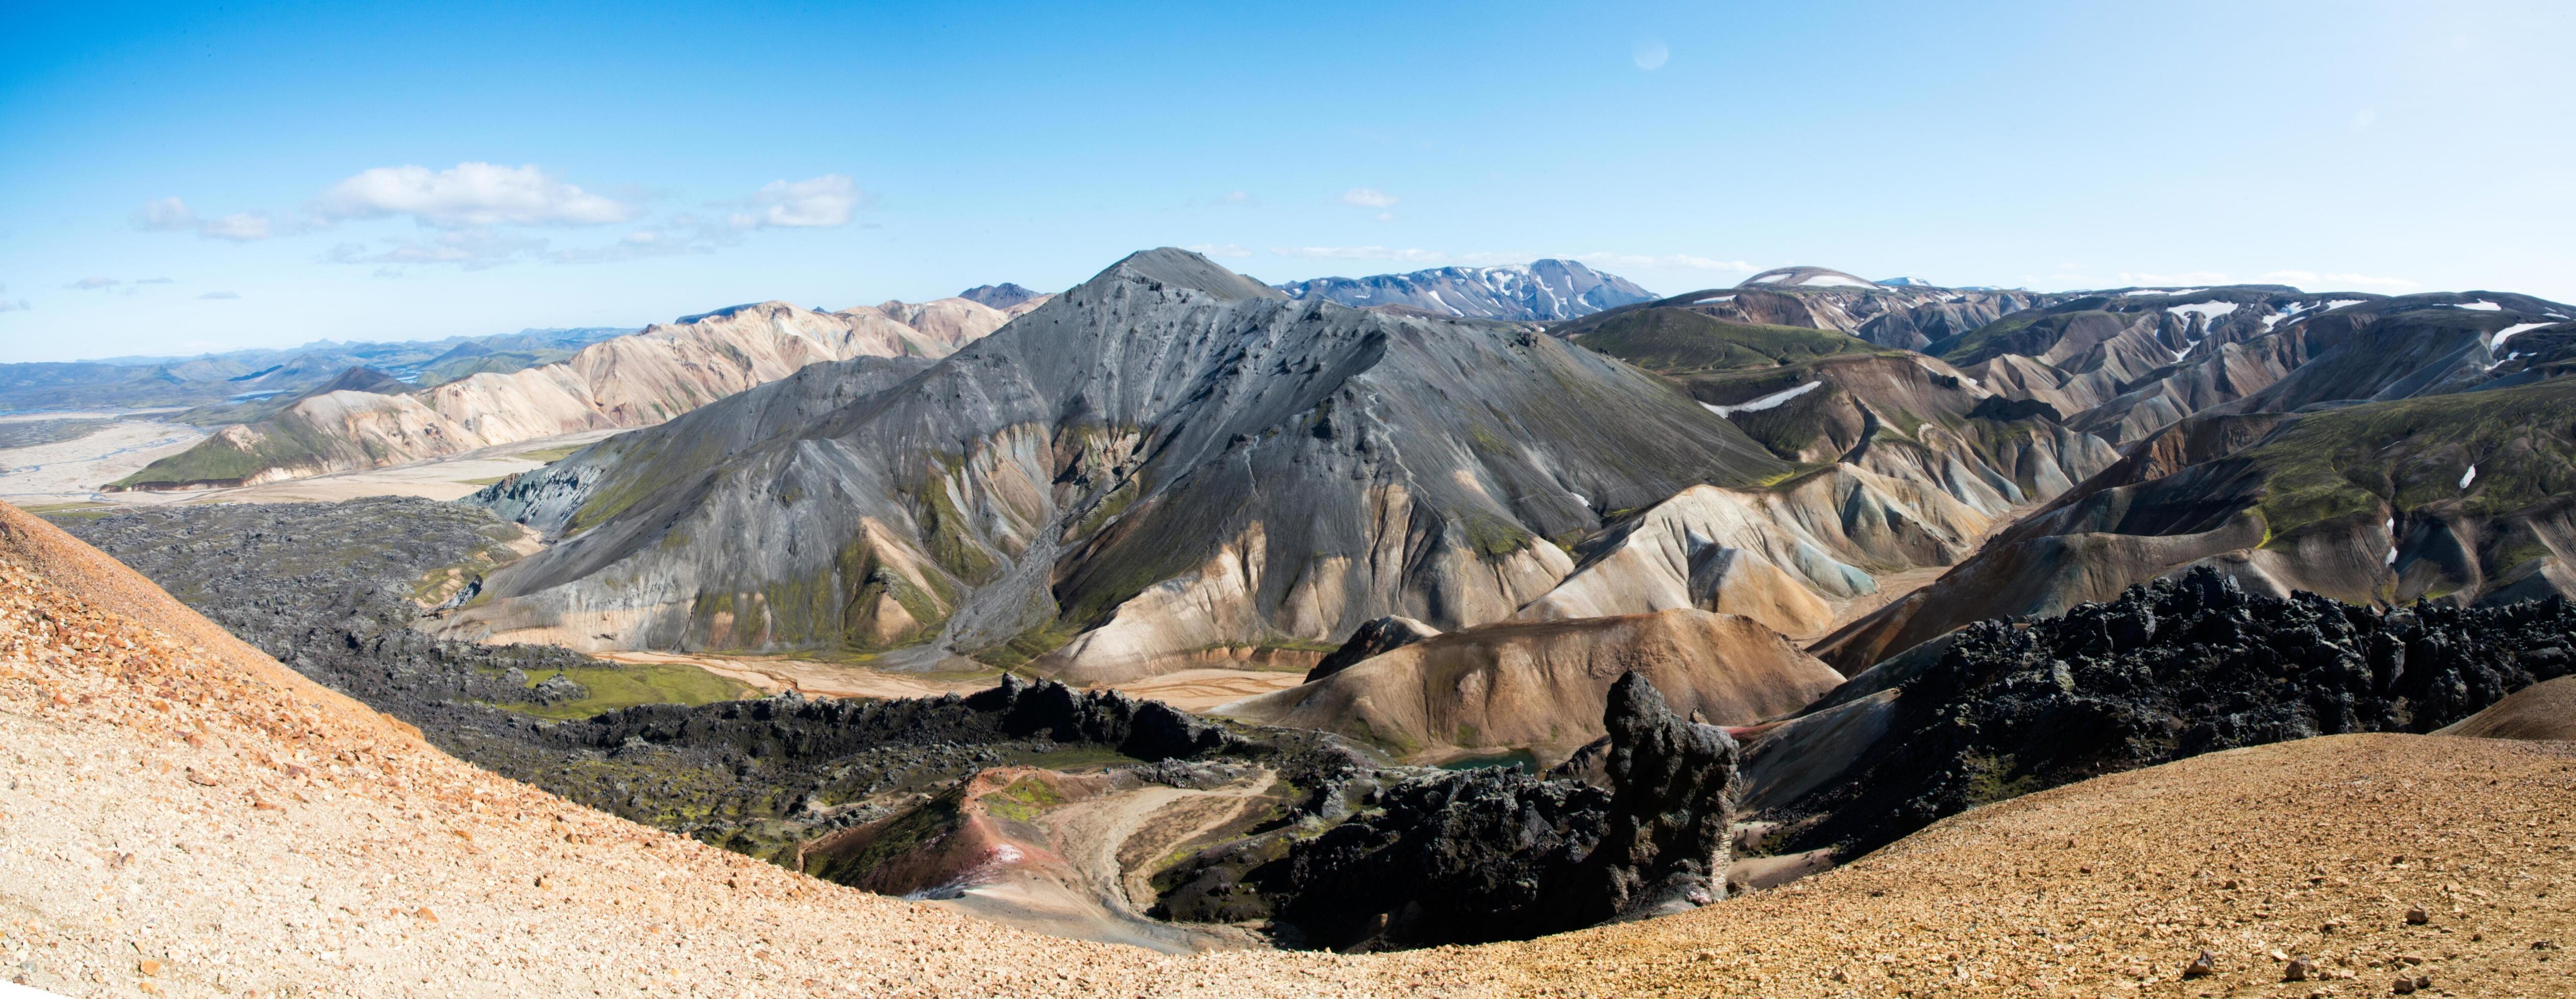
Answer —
394 171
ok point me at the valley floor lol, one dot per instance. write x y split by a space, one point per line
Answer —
187 815
1188 690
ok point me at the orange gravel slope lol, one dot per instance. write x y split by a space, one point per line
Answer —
186 817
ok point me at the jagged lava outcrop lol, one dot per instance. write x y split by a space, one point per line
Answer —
626 381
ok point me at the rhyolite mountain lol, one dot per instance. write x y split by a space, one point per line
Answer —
1544 290
624 381
1167 460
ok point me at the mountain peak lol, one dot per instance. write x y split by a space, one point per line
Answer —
1175 266
998 296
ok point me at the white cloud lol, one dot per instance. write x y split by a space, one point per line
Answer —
174 215
2173 280
470 195
1368 197
1652 54
9 306
93 283
1218 249
821 203
2314 280
2364 118
1237 198
1666 262
219 295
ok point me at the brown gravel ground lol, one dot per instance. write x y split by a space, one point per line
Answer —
185 817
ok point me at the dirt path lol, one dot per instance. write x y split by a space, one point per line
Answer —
1091 834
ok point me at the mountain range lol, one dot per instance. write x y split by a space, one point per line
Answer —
1747 582
1542 290
368 418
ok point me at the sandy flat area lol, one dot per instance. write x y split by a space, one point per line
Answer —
72 471
446 478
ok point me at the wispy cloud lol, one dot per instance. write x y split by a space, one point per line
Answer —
821 203
1407 255
479 215
1218 249
471 249
2316 281
93 284
1368 197
219 296
1651 54
9 306
1237 198
2173 280
469 196
1666 262
174 215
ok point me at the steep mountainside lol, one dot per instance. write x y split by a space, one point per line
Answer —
2463 498
1544 290
627 381
2125 365
1162 463
1907 316
1903 463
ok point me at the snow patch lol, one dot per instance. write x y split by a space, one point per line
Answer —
2205 310
1714 299
2480 305
1766 402
2469 476
1834 281
2507 333
2169 291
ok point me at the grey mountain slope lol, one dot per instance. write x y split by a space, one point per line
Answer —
1166 460
1544 290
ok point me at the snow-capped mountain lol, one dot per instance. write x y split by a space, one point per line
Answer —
1544 290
